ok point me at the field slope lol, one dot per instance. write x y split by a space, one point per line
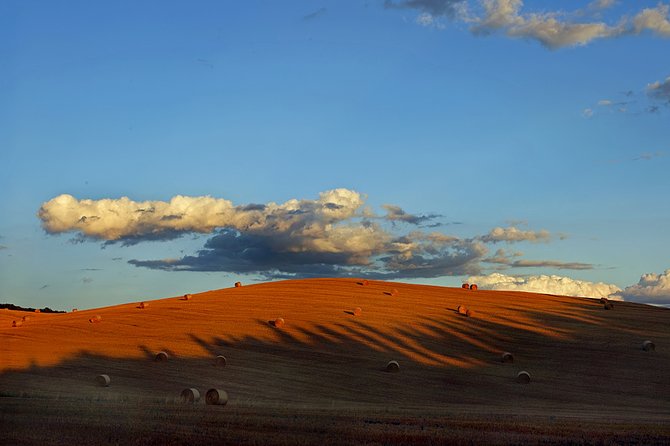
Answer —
586 363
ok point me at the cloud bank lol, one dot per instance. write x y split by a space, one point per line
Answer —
652 288
564 286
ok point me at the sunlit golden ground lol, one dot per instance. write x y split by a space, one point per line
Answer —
586 363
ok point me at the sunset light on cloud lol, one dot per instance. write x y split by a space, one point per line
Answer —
151 151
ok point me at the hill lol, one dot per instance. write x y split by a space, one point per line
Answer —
584 361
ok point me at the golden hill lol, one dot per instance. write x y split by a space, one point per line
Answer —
583 360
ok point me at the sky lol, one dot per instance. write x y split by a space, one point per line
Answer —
151 149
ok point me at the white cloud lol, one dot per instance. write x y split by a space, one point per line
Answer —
587 113
512 234
652 288
604 102
653 19
564 286
429 21
660 90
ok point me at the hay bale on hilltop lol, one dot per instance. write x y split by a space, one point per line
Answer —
465 286
473 287
608 306
365 282
17 323
238 284
102 380
648 346
220 361
507 357
190 395
469 313
394 292
187 297
143 305
462 309
358 311
523 377
279 322
216 397
74 310
603 300
161 357
392 367
95 319
37 310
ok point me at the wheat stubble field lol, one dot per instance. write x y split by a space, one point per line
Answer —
321 377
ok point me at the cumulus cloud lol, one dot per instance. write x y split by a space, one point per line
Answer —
652 288
660 90
396 213
512 234
553 29
564 286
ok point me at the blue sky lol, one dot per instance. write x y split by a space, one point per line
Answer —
551 125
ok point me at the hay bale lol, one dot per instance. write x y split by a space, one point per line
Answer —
465 286
190 395
216 397
25 318
143 305
603 300
608 306
74 310
648 346
523 377
392 367
365 282
102 380
462 309
279 322
17 323
161 357
469 313
221 361
95 319
187 297
394 292
358 311
37 310
238 284
473 287
507 357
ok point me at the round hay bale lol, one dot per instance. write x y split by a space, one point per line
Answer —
394 292
279 322
507 357
469 313
143 305
523 377
220 361
465 286
25 318
393 367
358 311
238 284
74 309
216 397
190 395
608 306
603 300
473 287
102 380
161 356
187 297
648 346
366 282
37 310
462 309
17 323
95 319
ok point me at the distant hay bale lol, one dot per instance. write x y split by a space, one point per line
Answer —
469 313
507 357
465 286
523 377
143 305
238 284
462 309
95 319
221 361
365 282
25 318
74 309
216 397
161 357
473 287
394 292
187 297
279 322
17 323
648 346
358 311
37 310
608 306
102 380
393 367
603 300
190 395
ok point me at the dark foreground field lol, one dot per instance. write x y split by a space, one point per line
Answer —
320 378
